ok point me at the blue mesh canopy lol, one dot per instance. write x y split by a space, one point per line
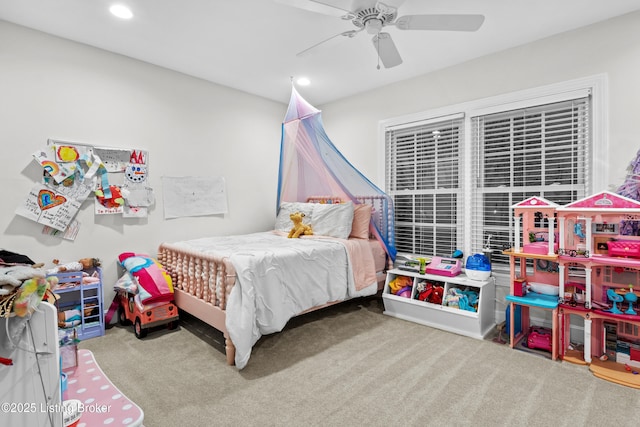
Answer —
311 166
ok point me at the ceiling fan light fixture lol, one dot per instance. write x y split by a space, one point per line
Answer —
303 81
373 26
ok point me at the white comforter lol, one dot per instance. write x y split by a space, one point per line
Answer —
278 278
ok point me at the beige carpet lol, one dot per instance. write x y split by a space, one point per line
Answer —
350 365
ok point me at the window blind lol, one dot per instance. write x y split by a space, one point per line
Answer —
537 151
424 178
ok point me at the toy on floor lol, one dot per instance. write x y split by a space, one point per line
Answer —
145 316
299 228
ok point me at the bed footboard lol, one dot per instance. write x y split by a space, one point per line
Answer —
202 284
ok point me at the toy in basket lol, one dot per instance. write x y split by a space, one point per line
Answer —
144 294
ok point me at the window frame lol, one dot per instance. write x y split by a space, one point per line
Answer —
595 86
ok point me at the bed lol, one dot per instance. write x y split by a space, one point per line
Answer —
250 285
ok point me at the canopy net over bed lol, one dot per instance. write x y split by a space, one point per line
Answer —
311 166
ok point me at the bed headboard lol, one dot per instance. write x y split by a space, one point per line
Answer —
381 214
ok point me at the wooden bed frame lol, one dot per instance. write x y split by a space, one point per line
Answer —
202 283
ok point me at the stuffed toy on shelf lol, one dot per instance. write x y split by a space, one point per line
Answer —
80 265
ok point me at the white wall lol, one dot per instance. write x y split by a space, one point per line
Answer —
611 48
54 88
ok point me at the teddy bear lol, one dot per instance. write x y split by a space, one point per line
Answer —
299 228
80 265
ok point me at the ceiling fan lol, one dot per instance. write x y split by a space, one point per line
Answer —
373 17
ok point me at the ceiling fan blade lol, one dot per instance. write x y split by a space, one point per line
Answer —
319 7
386 49
440 22
329 42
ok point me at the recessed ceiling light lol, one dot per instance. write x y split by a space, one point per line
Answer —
303 81
121 11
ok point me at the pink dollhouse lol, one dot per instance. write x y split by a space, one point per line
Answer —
593 245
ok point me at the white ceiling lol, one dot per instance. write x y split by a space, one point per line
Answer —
251 45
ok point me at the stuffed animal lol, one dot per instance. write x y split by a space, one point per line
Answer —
80 265
299 228
30 293
12 277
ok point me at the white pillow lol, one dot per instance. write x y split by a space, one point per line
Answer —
284 223
334 220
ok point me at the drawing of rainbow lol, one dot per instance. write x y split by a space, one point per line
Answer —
51 167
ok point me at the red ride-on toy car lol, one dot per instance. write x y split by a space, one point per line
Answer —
146 316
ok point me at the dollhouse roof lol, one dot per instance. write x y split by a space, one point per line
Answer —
536 203
606 201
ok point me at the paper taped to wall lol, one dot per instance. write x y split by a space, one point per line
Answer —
193 196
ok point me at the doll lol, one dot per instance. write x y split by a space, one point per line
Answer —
80 265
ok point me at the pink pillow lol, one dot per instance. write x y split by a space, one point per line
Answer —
361 219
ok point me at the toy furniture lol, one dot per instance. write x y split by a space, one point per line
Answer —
81 297
615 298
225 281
631 298
437 312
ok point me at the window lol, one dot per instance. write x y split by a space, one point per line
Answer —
424 179
536 151
454 173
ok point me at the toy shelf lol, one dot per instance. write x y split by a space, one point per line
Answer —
475 324
87 296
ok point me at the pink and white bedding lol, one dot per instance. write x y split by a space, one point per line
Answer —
278 278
